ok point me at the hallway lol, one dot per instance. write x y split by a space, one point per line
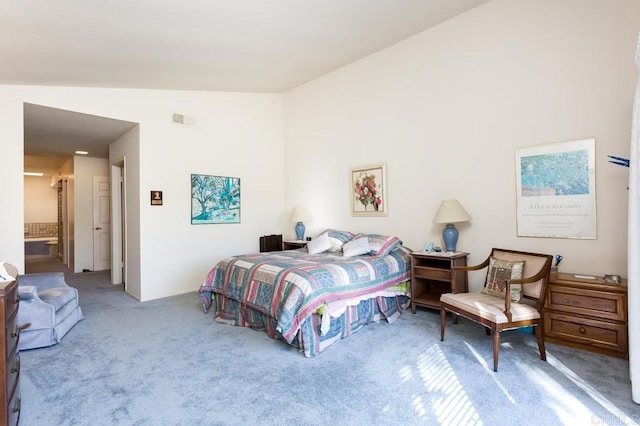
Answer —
45 265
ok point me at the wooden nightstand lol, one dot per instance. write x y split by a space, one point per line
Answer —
431 276
588 314
294 244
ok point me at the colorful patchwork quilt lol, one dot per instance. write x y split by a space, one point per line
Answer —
291 285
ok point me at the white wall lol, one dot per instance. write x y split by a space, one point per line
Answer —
12 210
40 200
446 109
85 168
236 134
127 150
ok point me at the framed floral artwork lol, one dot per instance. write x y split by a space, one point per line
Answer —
368 190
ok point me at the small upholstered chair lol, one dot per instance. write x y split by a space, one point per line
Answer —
48 305
513 296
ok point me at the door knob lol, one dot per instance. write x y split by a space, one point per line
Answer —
98 228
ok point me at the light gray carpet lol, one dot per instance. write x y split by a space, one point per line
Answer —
33 266
165 362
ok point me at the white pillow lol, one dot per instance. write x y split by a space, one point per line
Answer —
356 247
319 244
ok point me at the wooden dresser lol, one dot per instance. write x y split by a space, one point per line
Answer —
588 314
10 368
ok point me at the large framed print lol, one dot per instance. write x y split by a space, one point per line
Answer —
215 199
556 190
368 190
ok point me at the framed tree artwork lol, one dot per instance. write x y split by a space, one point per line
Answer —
215 199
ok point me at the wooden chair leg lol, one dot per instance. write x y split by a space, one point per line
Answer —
496 348
488 331
538 332
455 317
443 318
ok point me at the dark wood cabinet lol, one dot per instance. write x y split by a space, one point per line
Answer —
271 242
10 368
588 314
292 245
431 276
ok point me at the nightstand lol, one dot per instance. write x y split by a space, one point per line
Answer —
432 276
293 244
585 312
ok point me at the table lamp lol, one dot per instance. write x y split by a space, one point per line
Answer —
450 212
299 215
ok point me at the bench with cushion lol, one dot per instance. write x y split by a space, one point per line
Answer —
512 297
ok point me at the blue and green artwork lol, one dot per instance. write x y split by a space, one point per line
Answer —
564 173
215 199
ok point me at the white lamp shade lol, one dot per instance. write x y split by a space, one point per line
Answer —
300 214
451 211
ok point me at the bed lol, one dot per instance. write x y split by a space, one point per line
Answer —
312 297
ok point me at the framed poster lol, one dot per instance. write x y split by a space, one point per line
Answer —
368 191
215 199
556 194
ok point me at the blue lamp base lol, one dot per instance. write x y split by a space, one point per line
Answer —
300 231
450 237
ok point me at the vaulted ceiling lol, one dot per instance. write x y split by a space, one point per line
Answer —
222 45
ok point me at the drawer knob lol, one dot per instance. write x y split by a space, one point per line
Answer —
16 406
582 330
17 328
16 366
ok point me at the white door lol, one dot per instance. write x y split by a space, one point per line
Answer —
101 223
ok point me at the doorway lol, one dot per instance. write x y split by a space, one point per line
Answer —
101 223
54 138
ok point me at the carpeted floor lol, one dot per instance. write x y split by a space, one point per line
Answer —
165 362
45 265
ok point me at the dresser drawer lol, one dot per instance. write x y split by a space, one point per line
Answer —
13 373
598 334
11 301
13 407
432 273
593 303
11 333
10 371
